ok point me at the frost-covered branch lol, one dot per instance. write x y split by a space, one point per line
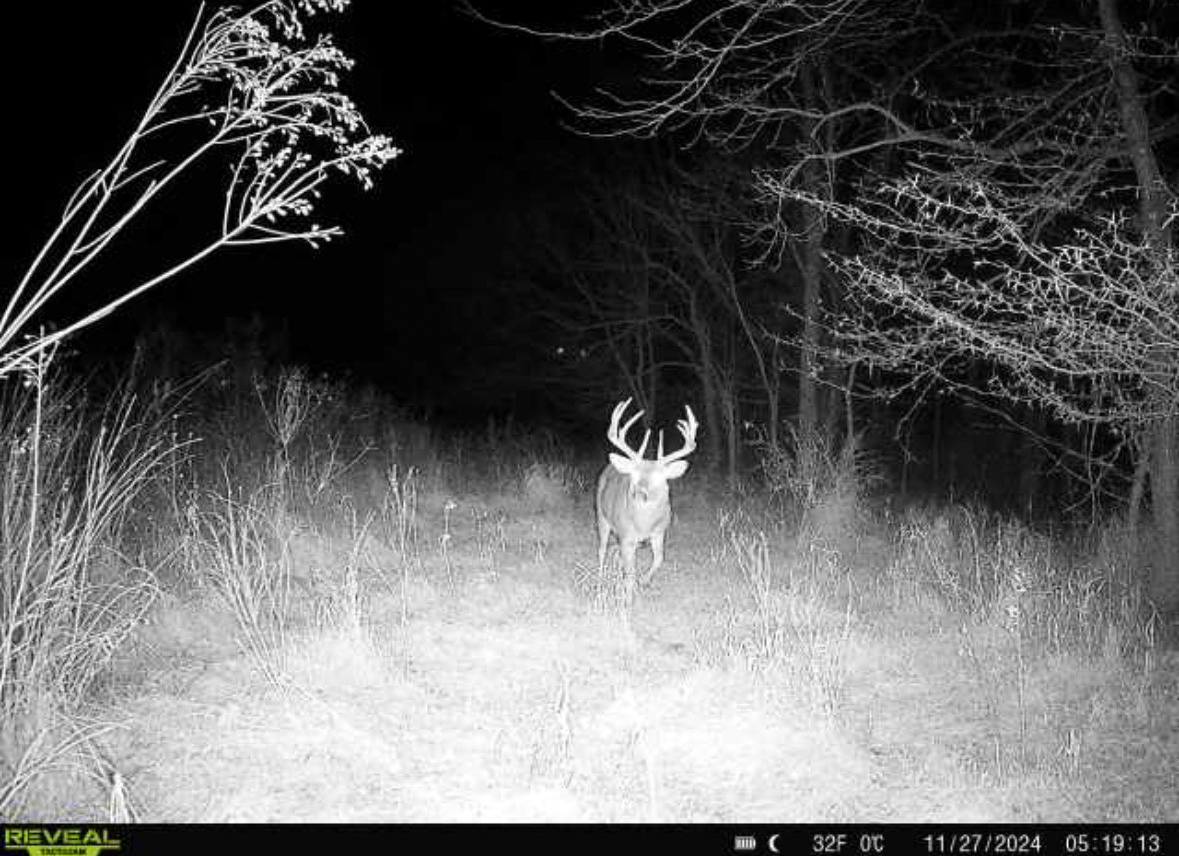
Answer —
1084 322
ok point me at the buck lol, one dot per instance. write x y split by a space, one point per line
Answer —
634 501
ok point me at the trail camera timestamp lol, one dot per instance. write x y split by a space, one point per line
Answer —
1114 842
1048 841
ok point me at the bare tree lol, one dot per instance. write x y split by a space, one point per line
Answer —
251 87
1033 233
590 282
789 82
649 279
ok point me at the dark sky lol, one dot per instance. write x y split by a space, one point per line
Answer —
393 299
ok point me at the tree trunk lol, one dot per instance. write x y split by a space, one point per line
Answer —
766 368
652 376
1031 459
712 422
646 367
732 387
710 386
808 369
1164 501
811 269
1153 196
728 396
774 396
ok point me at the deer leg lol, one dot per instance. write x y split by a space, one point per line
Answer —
629 548
656 555
603 542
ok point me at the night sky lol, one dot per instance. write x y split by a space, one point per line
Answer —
400 299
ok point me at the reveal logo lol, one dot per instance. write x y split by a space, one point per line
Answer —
59 841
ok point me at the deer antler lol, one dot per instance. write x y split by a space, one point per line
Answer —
617 435
688 429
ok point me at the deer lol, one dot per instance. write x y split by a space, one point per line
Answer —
633 498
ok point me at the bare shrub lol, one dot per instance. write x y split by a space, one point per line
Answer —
820 487
70 474
1076 594
235 547
796 630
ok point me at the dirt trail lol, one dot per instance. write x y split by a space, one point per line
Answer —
505 693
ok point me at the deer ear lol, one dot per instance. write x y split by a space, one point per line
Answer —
622 463
675 469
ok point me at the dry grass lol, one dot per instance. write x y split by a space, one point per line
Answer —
69 596
357 623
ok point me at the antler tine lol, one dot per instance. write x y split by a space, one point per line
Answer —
616 415
688 428
660 455
629 422
617 435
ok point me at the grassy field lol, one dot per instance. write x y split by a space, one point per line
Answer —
283 600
